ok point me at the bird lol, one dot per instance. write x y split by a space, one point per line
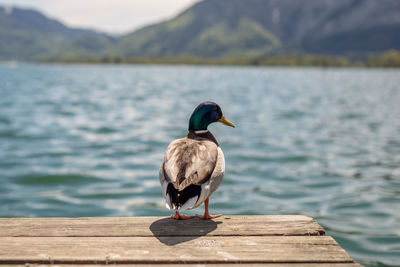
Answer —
193 166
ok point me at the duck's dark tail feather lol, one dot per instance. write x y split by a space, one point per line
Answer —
182 200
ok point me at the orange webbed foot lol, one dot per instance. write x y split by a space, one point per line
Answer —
208 216
178 216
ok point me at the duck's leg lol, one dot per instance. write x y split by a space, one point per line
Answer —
178 216
206 214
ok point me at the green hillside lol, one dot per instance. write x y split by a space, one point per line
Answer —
256 28
181 37
219 32
29 35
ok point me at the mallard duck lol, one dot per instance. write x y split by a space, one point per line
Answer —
193 166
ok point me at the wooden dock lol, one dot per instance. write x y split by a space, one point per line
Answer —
281 240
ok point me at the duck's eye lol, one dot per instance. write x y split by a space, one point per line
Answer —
215 108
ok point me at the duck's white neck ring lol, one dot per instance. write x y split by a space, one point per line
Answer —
201 131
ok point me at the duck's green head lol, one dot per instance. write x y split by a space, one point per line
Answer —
205 114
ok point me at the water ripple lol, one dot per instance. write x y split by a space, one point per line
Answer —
87 140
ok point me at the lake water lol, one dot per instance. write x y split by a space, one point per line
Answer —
88 140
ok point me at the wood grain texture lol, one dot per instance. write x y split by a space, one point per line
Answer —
280 240
158 226
223 249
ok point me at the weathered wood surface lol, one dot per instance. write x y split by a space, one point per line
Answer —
151 226
150 250
287 239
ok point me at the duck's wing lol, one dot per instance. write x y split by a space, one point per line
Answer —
218 172
215 179
188 165
189 162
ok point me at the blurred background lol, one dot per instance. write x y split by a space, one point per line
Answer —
92 94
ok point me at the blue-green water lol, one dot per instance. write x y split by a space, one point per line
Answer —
87 140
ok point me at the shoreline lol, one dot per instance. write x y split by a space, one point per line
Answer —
388 59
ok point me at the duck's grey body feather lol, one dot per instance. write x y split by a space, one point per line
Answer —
191 163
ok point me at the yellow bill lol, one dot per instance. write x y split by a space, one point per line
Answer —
223 120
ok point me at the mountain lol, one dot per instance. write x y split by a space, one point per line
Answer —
29 35
243 28
213 29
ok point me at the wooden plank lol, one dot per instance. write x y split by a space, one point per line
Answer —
171 250
158 226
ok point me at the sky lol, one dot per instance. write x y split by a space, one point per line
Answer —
112 16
